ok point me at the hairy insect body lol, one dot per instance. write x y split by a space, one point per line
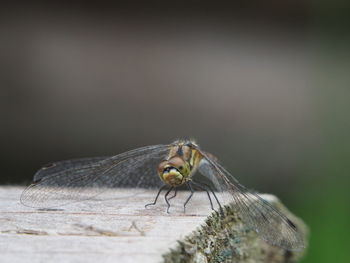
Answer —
180 165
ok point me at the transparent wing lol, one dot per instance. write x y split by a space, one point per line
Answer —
268 222
56 167
66 182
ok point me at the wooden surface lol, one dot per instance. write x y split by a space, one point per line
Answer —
116 227
102 230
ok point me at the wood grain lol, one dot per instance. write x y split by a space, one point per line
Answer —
110 228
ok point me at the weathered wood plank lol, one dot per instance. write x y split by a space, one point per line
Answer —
106 229
109 229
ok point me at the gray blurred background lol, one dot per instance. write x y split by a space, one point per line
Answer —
261 86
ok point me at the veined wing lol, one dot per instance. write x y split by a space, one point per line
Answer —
136 168
60 166
272 226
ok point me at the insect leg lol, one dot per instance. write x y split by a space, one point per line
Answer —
155 200
217 200
188 199
166 199
173 195
206 190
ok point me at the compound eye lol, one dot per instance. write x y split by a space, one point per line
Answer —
161 166
177 162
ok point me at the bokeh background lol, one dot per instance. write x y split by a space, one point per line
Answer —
265 87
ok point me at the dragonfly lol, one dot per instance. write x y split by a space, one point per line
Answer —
166 166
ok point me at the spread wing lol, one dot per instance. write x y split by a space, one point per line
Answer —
82 179
60 166
272 226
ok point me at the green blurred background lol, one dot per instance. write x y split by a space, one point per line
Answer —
262 86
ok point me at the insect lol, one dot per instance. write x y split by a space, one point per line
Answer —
162 166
